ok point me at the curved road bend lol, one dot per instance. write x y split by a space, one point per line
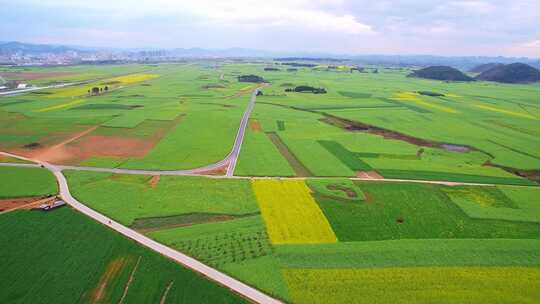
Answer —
209 272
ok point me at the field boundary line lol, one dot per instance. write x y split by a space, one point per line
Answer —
177 173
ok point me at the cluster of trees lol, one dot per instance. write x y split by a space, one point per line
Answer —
429 93
296 64
251 78
306 89
324 59
270 69
98 90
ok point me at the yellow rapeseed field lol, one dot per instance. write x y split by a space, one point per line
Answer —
83 89
411 96
508 112
133 78
414 285
290 213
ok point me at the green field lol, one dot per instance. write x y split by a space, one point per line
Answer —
75 260
22 182
171 196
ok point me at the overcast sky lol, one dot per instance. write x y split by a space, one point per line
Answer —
438 27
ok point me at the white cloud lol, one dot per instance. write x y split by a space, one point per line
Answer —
305 14
464 27
529 48
532 44
295 14
477 7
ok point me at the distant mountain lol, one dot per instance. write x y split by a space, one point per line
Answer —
27 48
485 67
444 73
460 62
319 59
164 54
511 73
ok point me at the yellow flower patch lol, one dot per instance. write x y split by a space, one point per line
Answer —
493 109
411 96
414 285
133 78
291 214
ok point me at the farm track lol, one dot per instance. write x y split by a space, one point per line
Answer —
181 173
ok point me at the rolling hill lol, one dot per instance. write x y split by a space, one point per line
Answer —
445 73
485 67
511 73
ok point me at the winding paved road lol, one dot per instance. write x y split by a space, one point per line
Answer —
189 262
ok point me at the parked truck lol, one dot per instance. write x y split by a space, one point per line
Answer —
56 204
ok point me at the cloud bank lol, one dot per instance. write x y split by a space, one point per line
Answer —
457 27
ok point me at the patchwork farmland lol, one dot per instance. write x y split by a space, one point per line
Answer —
318 185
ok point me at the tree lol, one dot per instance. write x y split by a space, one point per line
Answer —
95 90
106 88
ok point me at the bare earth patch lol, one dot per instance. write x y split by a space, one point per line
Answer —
216 171
106 146
52 153
154 181
113 270
255 126
369 175
11 204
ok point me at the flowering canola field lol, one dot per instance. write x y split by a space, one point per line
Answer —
290 213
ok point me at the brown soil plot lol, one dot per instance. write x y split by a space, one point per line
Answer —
255 126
